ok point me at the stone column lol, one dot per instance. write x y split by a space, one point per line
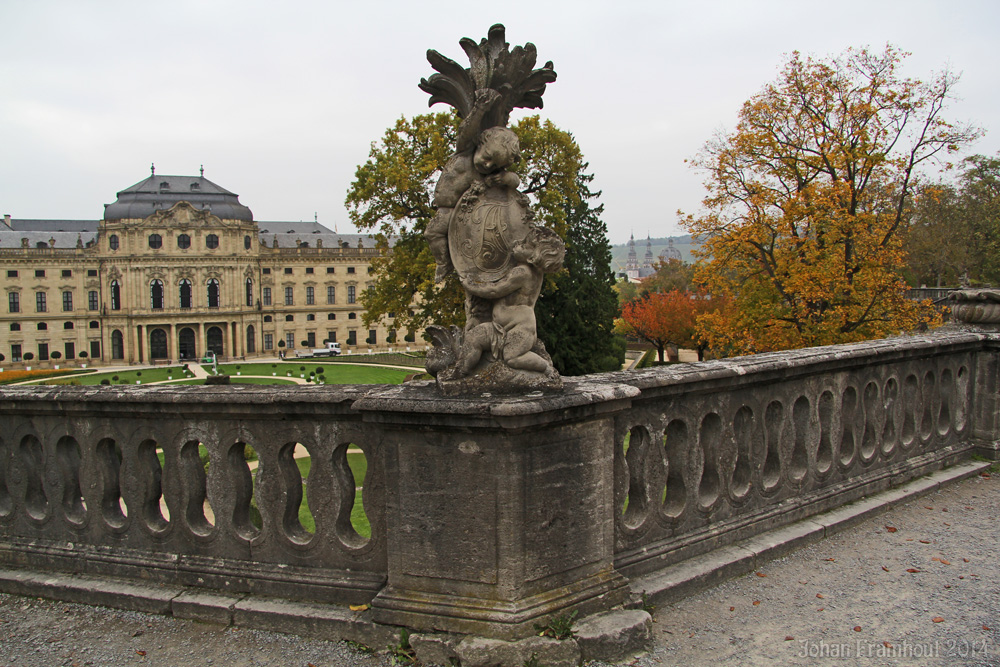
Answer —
201 347
172 349
500 511
140 344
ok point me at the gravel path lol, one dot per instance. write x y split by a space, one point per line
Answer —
919 585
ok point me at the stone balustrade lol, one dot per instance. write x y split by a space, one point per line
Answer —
488 514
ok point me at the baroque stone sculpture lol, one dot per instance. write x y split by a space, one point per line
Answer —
484 228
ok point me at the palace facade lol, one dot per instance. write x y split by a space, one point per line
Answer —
177 269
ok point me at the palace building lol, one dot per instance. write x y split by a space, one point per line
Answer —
177 269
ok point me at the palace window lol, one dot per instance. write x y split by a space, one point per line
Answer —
266 296
15 352
155 241
15 326
70 349
156 294
213 293
249 293
246 242
183 241
351 294
289 297
117 345
113 241
67 301
67 273
290 341
310 296
185 290
68 325
12 274
268 341
116 298
39 273
40 306
43 351
331 294
352 337
92 302
42 326
212 241
14 302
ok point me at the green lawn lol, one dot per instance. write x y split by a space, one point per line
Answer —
240 380
144 376
332 374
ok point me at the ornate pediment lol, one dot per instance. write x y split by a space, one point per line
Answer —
183 215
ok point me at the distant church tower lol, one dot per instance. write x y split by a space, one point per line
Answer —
647 261
633 261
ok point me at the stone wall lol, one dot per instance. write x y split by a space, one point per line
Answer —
488 514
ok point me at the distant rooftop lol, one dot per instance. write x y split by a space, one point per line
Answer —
158 193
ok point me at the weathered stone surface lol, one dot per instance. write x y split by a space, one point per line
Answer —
434 649
481 652
205 607
614 635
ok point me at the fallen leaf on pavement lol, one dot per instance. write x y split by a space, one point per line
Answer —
925 541
941 560
891 529
819 595
140 653
756 602
937 619
965 560
830 559
885 568
857 628
732 609
358 607
912 570
761 574
887 644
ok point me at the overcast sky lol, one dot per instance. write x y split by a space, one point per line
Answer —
281 101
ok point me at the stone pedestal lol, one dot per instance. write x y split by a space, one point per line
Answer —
499 511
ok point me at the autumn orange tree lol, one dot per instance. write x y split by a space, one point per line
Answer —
664 318
806 200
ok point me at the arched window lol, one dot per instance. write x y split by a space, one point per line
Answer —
117 345
113 241
68 325
157 344
249 293
251 342
246 242
213 293
213 339
156 294
185 286
116 298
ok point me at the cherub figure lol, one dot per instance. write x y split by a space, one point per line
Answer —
512 333
479 156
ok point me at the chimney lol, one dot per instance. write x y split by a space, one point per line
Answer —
6 220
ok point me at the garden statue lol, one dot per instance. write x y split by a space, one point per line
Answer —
484 230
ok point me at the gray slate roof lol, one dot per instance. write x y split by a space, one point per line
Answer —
12 239
158 193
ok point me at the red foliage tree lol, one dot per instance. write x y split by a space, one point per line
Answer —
665 318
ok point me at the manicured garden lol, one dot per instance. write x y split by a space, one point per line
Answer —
328 373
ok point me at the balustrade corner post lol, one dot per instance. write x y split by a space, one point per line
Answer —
986 401
499 510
